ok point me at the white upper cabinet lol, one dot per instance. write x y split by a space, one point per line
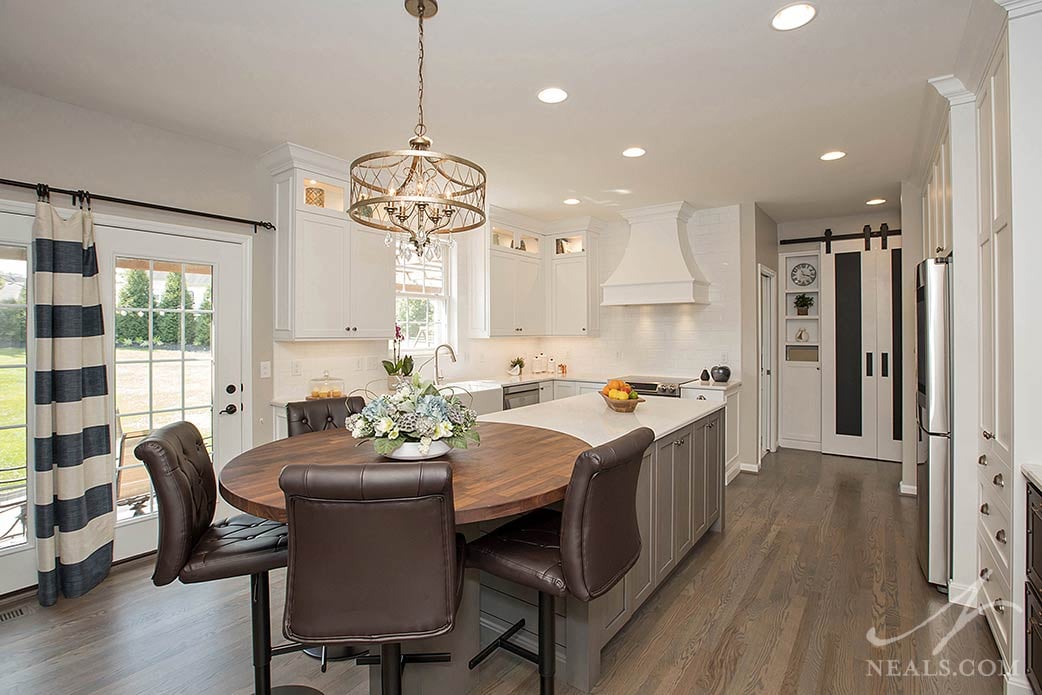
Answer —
531 279
333 279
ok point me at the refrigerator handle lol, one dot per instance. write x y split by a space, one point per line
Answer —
885 366
868 364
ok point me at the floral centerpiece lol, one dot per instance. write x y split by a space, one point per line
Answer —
415 422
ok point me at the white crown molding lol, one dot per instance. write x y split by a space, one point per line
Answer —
1020 8
951 88
576 224
289 155
680 210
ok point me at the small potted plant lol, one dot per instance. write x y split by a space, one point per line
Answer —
803 303
399 368
517 365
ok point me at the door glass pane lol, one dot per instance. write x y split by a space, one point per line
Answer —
164 363
848 344
14 276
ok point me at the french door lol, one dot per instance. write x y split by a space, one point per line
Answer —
174 319
861 353
767 340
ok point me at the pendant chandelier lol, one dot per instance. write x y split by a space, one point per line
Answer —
419 197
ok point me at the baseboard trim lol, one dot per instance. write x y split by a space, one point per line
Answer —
962 594
732 471
749 467
799 444
1016 684
906 489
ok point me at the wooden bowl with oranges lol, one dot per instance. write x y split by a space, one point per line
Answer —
620 396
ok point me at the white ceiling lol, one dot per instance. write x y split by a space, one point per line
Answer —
728 109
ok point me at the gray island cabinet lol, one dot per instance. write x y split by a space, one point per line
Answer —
680 497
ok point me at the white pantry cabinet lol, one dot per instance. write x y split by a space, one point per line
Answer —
334 279
574 283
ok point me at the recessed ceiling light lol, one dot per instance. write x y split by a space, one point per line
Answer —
633 152
552 95
793 16
875 201
833 156
620 191
571 201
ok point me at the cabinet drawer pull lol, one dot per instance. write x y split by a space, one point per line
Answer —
985 509
997 480
1000 536
982 460
985 574
700 398
987 435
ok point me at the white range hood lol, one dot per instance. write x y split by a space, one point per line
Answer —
658 266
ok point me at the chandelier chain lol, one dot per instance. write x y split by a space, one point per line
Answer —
421 128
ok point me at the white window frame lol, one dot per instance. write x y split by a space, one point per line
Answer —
448 296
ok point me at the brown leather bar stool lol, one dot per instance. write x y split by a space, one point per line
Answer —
194 549
584 551
321 414
318 415
374 558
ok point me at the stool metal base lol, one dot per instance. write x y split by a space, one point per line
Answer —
294 690
335 653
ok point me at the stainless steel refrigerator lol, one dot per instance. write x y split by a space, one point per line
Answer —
933 415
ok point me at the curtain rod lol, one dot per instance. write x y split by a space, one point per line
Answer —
867 234
43 191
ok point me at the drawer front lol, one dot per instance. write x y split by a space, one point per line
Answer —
997 485
1034 540
1033 647
715 395
994 525
994 597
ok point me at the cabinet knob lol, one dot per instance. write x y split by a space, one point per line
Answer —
985 574
584 330
700 398
939 249
985 509
999 606
982 460
997 480
354 328
1000 536
987 435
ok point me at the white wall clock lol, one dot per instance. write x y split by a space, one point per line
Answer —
803 274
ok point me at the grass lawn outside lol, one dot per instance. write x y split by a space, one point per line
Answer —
12 412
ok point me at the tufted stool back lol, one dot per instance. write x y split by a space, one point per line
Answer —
182 474
321 414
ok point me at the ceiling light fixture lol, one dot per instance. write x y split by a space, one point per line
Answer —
875 201
571 201
415 194
833 156
634 152
794 16
552 95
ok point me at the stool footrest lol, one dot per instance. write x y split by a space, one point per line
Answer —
501 642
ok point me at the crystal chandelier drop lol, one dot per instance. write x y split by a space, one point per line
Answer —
419 197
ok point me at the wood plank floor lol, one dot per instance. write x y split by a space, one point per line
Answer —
818 550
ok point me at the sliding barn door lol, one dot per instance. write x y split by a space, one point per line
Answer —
861 375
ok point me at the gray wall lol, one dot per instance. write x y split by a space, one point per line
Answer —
50 141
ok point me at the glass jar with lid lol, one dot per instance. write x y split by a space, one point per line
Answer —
325 387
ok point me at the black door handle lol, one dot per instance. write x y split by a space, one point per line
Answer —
231 409
868 364
885 367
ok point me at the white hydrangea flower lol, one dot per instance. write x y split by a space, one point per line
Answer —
383 425
443 429
425 445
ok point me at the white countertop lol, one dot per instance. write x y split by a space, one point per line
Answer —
589 419
713 385
1033 472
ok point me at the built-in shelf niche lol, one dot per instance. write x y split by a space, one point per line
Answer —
322 195
801 331
566 245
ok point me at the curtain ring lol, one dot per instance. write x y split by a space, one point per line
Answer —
86 194
43 193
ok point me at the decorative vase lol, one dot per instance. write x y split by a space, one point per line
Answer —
394 381
802 310
410 451
802 336
721 374
705 375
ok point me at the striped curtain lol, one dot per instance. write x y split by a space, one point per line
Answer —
74 512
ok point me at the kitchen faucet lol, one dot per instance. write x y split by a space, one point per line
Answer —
437 364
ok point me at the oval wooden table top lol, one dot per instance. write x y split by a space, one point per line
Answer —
515 469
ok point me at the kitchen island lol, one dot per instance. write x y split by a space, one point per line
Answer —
680 497
524 462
